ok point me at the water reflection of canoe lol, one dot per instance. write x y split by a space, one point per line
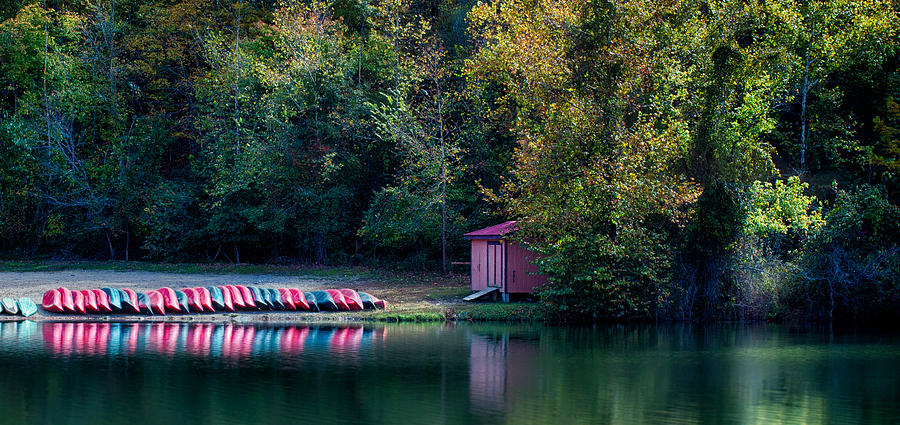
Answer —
228 341
52 301
10 306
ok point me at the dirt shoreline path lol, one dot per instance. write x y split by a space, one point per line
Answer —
34 284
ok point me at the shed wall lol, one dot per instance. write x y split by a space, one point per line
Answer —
479 264
521 274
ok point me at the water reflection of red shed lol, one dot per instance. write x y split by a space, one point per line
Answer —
501 264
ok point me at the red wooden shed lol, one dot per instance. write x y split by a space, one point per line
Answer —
501 265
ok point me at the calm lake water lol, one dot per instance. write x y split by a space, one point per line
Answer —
119 373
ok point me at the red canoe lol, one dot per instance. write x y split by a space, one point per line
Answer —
102 300
170 300
299 299
380 304
191 295
287 298
247 296
157 302
52 301
339 300
68 300
134 300
226 297
352 298
78 298
236 297
90 301
205 299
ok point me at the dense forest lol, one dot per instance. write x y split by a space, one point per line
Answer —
670 159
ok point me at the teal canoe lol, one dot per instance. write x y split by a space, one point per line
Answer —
275 298
260 297
115 299
183 301
10 306
367 299
27 307
144 303
218 300
325 301
311 300
127 304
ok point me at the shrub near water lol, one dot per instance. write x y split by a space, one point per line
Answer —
851 267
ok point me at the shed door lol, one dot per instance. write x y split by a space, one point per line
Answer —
495 264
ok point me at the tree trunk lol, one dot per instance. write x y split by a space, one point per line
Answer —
112 251
803 93
319 246
443 188
46 99
237 40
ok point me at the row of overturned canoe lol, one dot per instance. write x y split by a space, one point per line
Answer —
21 307
223 298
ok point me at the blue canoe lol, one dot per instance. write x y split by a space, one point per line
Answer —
325 301
144 303
311 300
275 298
218 300
27 307
115 298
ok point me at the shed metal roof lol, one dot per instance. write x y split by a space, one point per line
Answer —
493 232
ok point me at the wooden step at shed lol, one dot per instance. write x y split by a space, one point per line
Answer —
480 294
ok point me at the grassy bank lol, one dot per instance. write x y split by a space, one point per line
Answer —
412 297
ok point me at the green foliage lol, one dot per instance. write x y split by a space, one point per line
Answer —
851 268
666 159
776 209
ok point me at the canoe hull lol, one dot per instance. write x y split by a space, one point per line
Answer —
205 299
10 306
353 299
52 301
338 299
27 307
102 301
324 301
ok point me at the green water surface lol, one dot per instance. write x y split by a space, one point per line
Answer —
167 373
